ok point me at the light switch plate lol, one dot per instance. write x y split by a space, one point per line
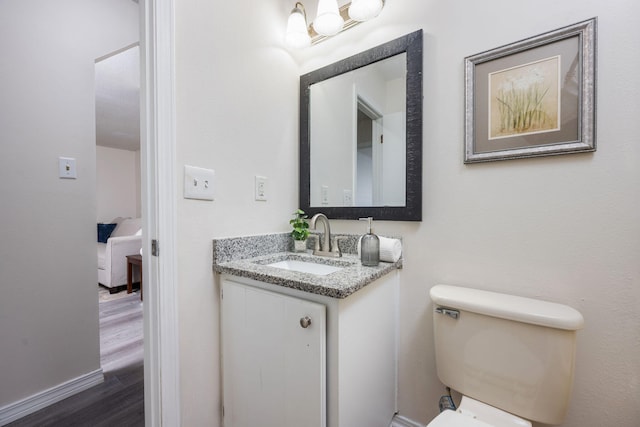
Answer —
199 183
261 188
67 168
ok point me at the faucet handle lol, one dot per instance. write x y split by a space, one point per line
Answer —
316 238
335 245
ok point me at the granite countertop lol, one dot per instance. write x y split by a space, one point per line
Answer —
248 256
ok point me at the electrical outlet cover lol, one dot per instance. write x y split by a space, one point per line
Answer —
347 197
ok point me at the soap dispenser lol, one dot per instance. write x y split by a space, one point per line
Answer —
369 246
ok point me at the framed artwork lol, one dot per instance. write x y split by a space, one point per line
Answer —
535 97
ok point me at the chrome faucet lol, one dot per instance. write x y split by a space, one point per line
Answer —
326 246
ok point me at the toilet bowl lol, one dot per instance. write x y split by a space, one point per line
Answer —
511 358
472 413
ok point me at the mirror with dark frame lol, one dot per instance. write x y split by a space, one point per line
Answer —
361 134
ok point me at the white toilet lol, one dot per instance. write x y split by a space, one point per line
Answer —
512 358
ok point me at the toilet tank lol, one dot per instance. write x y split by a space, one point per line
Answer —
514 353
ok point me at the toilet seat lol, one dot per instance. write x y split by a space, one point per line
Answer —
449 418
473 413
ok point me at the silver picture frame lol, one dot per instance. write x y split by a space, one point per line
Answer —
535 97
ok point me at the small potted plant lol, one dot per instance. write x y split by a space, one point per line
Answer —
300 230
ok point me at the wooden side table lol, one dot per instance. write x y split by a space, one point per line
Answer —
131 261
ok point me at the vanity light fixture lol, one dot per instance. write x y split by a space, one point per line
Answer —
330 20
297 33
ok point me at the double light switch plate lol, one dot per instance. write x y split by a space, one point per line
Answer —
199 183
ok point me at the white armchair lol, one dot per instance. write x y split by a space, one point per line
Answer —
125 240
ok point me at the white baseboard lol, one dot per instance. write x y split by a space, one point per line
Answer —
400 421
40 400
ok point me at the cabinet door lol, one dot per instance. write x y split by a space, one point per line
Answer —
273 367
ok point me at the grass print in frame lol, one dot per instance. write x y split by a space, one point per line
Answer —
535 97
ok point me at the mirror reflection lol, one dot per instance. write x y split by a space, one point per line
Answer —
357 136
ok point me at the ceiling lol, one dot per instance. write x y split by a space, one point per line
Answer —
117 86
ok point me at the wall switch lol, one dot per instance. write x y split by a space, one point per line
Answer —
199 183
347 197
261 188
67 168
324 195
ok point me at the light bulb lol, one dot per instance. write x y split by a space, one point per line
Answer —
297 33
363 10
328 21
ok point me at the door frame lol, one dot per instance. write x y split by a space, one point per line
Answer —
157 131
361 103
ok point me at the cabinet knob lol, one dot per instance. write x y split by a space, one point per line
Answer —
305 321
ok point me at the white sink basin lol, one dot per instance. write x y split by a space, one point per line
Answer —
305 267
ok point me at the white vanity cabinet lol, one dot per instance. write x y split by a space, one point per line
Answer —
273 354
339 371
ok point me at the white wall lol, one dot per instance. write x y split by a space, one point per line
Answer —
328 102
48 275
117 183
237 112
138 189
561 228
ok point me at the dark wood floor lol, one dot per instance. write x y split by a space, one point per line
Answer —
119 400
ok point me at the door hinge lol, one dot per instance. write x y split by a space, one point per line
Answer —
381 139
155 249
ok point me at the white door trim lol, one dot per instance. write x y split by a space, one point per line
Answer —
161 341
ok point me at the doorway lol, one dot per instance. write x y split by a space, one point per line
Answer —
368 154
118 202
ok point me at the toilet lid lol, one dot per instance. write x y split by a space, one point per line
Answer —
449 418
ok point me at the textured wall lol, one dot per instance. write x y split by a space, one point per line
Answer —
48 273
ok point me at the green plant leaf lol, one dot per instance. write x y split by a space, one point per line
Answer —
300 225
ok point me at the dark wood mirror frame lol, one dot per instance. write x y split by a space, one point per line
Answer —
412 211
